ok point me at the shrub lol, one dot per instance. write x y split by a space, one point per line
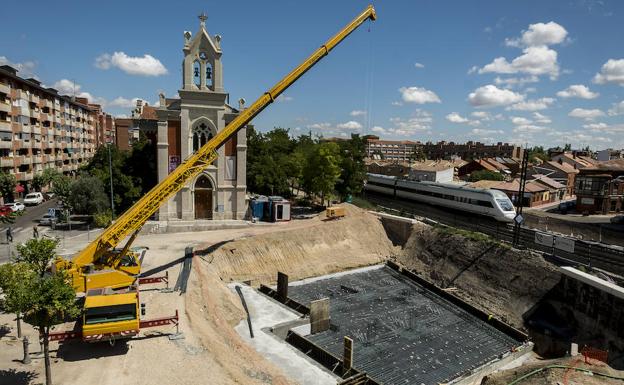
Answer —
102 219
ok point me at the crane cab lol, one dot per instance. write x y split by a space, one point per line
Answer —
110 314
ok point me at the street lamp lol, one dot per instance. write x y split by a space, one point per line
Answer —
110 174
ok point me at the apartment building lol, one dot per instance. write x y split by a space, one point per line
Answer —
471 150
41 129
394 150
104 126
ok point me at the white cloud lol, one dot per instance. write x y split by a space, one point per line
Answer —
395 103
418 95
529 128
611 72
613 129
519 120
122 102
357 113
284 99
68 87
540 34
122 116
25 69
532 105
145 65
319 126
617 109
582 113
535 60
419 65
490 96
512 82
481 115
454 117
578 91
379 129
350 125
483 131
542 119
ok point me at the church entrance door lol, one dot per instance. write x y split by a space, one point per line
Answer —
203 198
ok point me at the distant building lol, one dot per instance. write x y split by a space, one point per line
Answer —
122 133
535 194
436 172
471 150
394 150
399 169
609 154
487 164
558 171
104 126
574 159
600 189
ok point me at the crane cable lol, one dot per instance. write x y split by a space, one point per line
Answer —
368 84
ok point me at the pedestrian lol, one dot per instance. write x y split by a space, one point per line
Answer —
9 234
35 231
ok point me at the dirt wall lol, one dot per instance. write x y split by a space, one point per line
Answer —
500 280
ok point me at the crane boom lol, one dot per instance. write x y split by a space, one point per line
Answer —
133 219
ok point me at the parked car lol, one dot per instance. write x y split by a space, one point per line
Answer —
48 220
5 210
618 219
15 206
33 199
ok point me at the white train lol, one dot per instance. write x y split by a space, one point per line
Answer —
491 203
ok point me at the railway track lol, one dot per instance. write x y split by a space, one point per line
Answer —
585 253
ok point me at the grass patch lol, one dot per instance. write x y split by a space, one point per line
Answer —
474 236
363 203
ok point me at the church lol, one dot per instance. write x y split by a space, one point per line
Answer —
180 126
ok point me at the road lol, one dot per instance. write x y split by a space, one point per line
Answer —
22 227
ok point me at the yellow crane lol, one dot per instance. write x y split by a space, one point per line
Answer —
100 268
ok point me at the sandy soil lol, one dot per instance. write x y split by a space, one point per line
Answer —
211 352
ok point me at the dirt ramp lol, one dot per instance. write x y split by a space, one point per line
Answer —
500 280
323 247
213 311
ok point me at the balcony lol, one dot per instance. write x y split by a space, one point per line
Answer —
5 107
5 89
6 144
36 159
35 129
6 162
66 167
34 98
5 126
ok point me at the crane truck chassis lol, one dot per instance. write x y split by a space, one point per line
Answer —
110 276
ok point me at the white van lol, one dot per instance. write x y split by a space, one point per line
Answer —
33 199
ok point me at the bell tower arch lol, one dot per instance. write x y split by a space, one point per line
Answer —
201 67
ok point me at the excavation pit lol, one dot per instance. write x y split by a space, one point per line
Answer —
402 331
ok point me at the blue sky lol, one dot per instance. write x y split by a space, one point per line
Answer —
531 72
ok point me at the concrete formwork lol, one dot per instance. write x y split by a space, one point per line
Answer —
402 332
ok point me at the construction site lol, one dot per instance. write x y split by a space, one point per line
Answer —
409 297
342 295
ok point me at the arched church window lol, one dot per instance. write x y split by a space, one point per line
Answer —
209 74
201 135
203 182
197 73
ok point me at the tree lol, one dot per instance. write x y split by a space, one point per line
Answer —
61 187
51 299
127 189
538 152
14 279
418 154
37 253
87 196
567 147
7 186
485 175
44 178
322 169
141 163
353 170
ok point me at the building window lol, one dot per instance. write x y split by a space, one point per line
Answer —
201 135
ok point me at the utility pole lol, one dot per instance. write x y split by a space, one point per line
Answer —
523 175
110 174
